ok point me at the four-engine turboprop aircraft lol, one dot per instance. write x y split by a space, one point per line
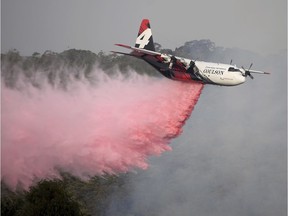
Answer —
178 68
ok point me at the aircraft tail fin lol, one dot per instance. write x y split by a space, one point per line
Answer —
144 39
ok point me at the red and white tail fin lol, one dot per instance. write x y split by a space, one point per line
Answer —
144 39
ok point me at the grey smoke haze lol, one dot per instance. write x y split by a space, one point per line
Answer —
35 26
230 160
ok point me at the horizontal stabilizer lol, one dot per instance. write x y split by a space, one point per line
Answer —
139 50
123 45
122 53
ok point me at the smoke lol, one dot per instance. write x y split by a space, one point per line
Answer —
231 158
87 130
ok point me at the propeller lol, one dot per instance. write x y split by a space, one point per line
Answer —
247 72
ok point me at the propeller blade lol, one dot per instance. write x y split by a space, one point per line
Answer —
247 72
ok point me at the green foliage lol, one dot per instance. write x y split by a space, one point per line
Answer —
59 68
97 192
69 196
47 198
50 198
202 49
10 64
11 204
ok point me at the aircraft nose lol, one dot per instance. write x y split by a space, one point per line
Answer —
241 78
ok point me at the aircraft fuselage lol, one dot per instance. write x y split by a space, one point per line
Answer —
187 70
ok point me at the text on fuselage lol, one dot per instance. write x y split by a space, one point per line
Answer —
213 71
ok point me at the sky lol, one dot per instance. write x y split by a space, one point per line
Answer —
57 25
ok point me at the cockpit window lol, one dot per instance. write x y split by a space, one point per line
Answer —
232 69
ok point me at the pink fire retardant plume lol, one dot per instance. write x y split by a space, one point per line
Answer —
110 128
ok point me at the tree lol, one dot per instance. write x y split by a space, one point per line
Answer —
196 49
11 204
50 198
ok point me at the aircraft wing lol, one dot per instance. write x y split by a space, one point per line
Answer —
259 72
139 50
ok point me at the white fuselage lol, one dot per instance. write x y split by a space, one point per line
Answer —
216 73
220 74
213 73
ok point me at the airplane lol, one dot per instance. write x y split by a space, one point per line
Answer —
182 69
